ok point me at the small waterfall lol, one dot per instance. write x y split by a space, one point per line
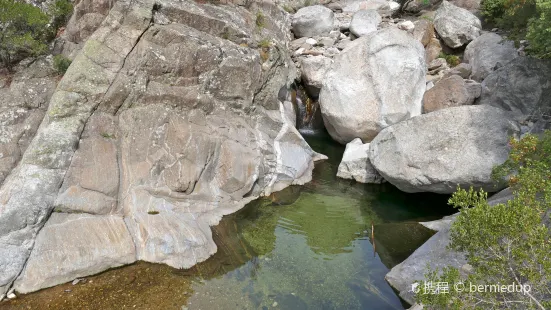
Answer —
309 119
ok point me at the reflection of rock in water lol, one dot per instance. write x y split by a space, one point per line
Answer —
396 241
285 197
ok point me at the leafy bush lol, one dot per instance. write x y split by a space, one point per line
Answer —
452 60
507 243
529 19
61 63
24 31
60 12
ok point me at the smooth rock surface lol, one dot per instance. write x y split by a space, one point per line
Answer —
355 164
487 53
522 87
450 92
364 22
379 80
456 26
438 151
76 245
313 21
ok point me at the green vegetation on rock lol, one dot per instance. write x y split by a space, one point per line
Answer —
530 19
506 243
61 63
24 31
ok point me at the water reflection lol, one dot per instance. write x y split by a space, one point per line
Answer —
306 247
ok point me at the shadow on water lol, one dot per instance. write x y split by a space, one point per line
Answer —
306 247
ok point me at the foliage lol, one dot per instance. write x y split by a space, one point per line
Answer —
24 31
60 12
260 20
507 243
452 60
61 63
529 19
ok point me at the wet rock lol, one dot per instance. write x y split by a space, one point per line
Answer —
377 81
313 21
364 22
434 252
461 149
355 164
456 26
450 92
487 53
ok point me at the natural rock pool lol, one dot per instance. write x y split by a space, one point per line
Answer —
306 247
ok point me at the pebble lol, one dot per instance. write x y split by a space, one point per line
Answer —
495 30
406 25
75 281
2 297
274 304
11 296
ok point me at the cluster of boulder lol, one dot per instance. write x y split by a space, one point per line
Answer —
410 113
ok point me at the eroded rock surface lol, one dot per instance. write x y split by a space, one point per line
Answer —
461 148
167 119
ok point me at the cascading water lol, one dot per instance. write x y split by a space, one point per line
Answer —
308 113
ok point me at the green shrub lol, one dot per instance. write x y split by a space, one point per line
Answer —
530 19
24 31
539 30
61 63
260 20
452 60
506 243
60 12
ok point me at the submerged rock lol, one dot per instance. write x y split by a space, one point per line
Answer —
377 81
438 151
355 164
456 26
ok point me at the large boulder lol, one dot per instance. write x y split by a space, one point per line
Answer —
438 151
456 26
379 80
313 21
355 164
522 87
487 53
161 125
364 22
450 92
313 70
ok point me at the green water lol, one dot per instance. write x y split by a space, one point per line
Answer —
310 247
307 247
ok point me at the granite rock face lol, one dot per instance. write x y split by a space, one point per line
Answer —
461 148
487 53
355 164
377 81
165 121
521 87
455 25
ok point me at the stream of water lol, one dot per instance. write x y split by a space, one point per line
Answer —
306 247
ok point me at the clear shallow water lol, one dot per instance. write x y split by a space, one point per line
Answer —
306 247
